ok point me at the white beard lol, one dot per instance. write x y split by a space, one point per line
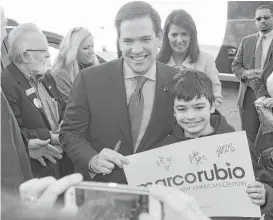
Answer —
40 68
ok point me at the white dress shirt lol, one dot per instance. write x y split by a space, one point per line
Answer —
266 44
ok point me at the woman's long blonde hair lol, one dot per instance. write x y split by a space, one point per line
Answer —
66 60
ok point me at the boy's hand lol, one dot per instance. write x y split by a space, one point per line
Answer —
256 192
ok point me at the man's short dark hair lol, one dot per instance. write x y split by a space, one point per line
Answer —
138 9
190 83
265 7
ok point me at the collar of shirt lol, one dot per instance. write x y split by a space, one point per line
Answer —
129 73
268 35
39 77
186 63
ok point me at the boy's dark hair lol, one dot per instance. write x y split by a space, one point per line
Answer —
190 83
138 9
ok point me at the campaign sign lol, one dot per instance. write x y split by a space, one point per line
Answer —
215 170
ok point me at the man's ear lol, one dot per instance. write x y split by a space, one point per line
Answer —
118 42
159 38
25 57
212 108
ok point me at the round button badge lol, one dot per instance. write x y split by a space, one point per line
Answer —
37 102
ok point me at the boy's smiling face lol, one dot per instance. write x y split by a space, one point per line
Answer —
194 116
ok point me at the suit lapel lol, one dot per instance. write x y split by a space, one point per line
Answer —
251 49
269 55
48 87
25 86
118 93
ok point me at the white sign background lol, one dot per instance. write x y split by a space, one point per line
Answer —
169 165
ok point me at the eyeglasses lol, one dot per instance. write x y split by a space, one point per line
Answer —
40 50
265 17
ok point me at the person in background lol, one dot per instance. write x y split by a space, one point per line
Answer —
15 165
180 49
253 56
196 117
3 23
34 98
124 103
76 52
38 199
264 107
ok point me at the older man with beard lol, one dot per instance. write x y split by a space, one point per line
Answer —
34 98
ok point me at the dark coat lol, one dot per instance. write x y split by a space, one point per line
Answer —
32 120
15 164
97 116
261 89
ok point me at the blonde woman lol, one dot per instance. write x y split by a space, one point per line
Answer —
76 53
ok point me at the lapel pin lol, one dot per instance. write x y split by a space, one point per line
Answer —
165 89
50 87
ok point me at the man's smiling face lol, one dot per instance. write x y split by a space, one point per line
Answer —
138 43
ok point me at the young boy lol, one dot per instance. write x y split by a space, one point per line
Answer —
196 116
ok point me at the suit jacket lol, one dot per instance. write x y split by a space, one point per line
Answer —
97 116
32 120
15 164
244 60
261 84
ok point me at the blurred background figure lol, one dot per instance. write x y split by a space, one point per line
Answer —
76 53
180 49
15 165
38 202
3 23
264 107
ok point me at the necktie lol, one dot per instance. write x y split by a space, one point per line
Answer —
136 106
259 54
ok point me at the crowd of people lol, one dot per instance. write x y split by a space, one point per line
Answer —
85 117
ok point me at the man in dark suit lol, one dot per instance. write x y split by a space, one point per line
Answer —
126 100
254 55
34 98
15 166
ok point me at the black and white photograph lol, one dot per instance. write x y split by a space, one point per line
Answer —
92 92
